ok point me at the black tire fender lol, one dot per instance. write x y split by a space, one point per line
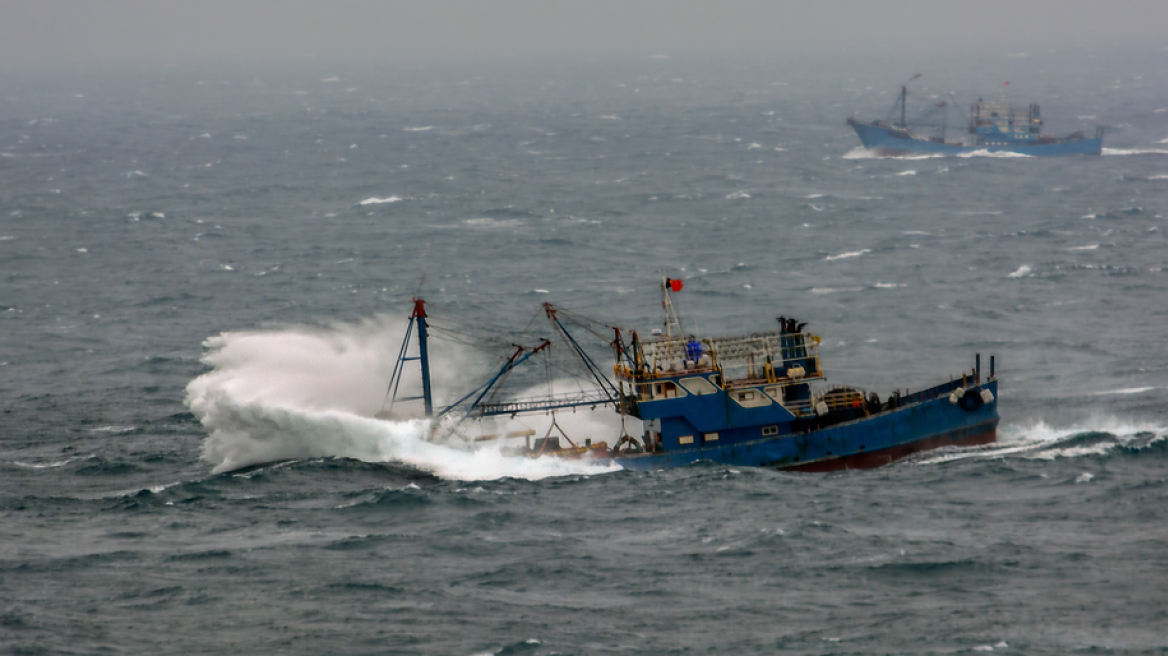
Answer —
971 400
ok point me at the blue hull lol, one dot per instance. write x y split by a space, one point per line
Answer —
879 139
918 425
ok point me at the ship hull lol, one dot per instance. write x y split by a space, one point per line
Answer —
860 444
884 141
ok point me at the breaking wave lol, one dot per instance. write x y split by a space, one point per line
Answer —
1041 441
311 392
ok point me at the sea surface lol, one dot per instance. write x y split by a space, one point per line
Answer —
206 278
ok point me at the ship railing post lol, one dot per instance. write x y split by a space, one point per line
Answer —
977 368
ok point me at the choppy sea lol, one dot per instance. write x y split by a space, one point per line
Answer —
206 277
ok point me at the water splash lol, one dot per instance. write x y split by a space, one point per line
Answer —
311 392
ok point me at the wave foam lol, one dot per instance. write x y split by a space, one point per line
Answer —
376 201
1134 151
833 290
860 152
1041 441
842 256
996 153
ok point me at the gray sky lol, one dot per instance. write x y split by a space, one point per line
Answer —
40 35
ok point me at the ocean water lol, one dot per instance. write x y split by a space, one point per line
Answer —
206 278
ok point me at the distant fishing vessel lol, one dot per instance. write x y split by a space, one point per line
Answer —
993 126
751 400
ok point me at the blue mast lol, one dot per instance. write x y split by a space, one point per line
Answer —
419 314
418 317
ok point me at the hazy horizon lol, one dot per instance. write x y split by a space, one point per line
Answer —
59 37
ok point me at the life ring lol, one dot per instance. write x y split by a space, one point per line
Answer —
970 401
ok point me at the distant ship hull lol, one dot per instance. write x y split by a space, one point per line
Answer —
896 142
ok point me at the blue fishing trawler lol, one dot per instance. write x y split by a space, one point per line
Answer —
993 126
754 400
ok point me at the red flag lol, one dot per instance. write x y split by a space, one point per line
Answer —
675 284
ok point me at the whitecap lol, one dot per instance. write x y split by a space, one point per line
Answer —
1084 248
376 201
1127 390
82 250
1135 151
859 152
1085 477
1022 271
738 195
833 290
996 153
847 255
753 146
887 285
421 129
484 222
112 429
45 465
610 117
907 173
